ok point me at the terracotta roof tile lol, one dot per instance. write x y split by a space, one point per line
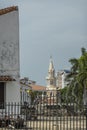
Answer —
6 78
38 88
7 10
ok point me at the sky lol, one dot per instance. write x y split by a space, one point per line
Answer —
56 28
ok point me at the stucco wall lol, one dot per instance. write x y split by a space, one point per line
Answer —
9 44
12 92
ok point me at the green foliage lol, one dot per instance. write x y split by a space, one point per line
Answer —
64 94
78 76
34 94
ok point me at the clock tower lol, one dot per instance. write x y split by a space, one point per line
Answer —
51 79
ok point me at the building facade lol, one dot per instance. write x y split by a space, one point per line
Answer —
55 81
9 55
51 79
61 78
25 87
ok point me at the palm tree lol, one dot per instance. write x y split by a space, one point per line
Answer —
78 76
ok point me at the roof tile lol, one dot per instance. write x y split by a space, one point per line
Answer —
6 78
8 9
38 88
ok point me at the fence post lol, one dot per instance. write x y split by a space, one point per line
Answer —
86 116
85 103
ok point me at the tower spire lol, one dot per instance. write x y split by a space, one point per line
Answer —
51 66
51 79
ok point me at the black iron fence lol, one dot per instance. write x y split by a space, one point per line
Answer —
46 113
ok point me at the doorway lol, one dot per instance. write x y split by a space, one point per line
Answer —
2 92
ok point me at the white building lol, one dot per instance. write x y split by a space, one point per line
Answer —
24 91
55 81
9 55
51 79
61 78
